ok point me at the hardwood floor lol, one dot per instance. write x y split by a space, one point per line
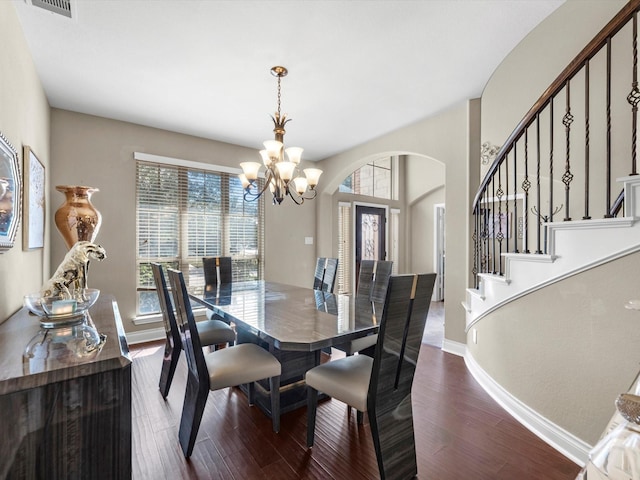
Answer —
461 433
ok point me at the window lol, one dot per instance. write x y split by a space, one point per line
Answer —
186 213
373 179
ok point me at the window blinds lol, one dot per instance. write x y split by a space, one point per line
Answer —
344 248
186 213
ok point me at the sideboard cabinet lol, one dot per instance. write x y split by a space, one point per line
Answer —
72 419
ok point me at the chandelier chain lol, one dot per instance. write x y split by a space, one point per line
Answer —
279 96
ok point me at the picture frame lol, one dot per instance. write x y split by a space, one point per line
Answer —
500 225
10 194
34 201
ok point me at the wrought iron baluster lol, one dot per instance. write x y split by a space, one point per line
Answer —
550 160
474 239
493 228
634 97
608 153
538 179
526 185
586 142
500 235
567 177
485 233
514 232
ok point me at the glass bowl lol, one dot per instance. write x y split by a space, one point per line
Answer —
33 302
58 308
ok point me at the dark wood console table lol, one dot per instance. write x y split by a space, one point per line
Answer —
72 420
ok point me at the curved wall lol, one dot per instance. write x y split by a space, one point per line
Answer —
537 61
569 359
567 350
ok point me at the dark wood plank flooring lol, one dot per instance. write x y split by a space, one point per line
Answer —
461 433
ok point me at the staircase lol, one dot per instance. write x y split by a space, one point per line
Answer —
549 205
572 248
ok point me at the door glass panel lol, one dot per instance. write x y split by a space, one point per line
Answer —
370 228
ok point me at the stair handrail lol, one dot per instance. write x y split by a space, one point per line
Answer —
587 53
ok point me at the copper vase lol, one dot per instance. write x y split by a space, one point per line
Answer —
77 219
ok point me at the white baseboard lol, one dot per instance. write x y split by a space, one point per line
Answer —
148 335
569 445
456 348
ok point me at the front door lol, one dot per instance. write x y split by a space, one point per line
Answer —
370 235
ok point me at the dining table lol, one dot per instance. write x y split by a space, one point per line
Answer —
293 323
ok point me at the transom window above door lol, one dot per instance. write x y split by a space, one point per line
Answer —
374 179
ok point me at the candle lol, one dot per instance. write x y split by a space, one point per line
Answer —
61 307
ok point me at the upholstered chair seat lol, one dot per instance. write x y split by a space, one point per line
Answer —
346 379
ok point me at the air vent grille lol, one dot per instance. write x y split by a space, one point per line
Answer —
61 7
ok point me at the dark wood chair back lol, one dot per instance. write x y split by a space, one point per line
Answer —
318 276
381 274
217 270
173 343
188 330
365 278
389 399
330 274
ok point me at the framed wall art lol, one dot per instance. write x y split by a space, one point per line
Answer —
34 201
10 194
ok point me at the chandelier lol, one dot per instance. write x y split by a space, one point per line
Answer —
282 176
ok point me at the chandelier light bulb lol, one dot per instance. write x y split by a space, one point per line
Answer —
313 175
274 148
250 170
286 169
294 154
301 185
266 159
245 181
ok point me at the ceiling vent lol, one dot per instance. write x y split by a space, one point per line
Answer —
61 7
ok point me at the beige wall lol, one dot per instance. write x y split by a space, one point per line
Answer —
98 152
569 360
567 350
451 138
537 61
24 120
421 230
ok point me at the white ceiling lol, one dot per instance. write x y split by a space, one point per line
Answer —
357 69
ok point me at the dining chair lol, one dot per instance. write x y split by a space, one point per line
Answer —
325 275
211 332
381 385
319 273
365 277
217 270
245 363
373 280
381 273
330 274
